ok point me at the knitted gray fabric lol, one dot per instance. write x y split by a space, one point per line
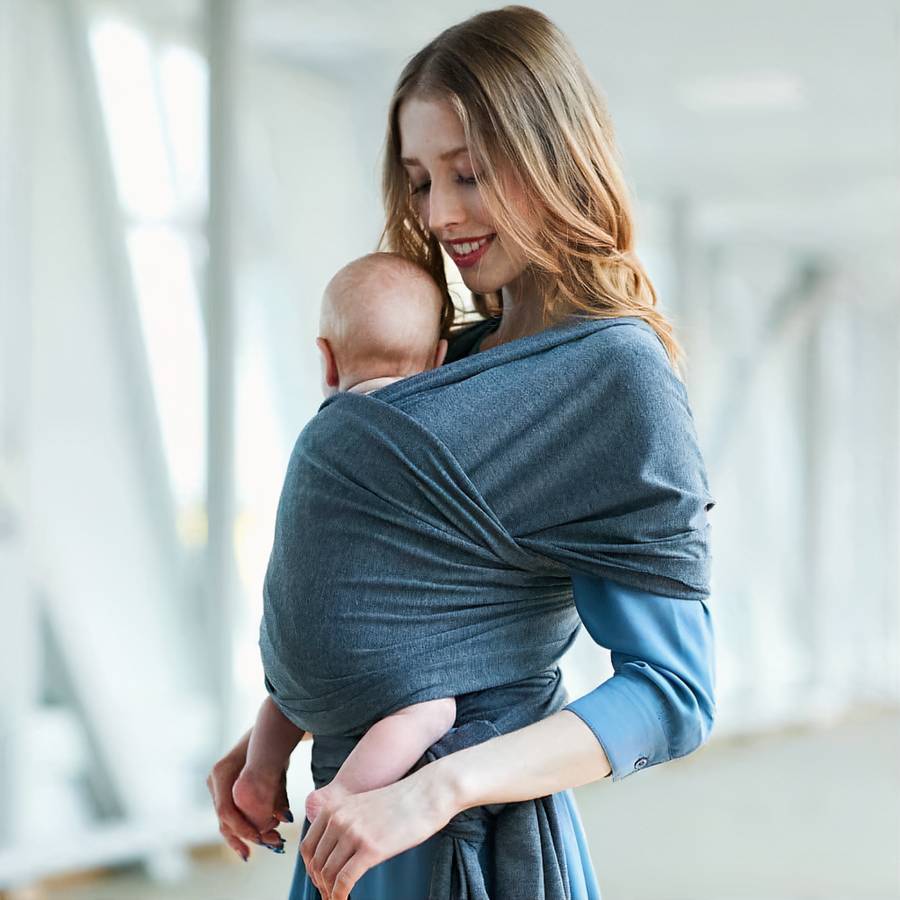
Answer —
529 850
425 536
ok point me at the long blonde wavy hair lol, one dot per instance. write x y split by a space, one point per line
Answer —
529 111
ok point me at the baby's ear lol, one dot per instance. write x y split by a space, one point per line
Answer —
329 363
440 353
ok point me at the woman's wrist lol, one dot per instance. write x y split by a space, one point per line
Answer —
267 774
268 761
236 757
445 786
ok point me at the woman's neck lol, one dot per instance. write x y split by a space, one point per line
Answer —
523 311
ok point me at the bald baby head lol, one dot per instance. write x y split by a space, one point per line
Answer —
381 315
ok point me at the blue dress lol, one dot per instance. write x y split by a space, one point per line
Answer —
658 705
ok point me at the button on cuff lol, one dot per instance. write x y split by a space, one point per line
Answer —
626 725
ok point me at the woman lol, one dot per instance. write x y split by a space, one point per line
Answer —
500 153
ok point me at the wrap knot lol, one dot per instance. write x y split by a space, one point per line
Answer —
524 839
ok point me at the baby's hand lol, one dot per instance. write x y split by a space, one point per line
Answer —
262 798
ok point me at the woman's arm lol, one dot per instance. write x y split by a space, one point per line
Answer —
259 789
556 753
272 739
659 705
233 825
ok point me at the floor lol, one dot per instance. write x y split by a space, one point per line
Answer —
811 814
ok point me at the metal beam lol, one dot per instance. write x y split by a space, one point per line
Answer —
19 657
64 688
219 295
792 304
143 418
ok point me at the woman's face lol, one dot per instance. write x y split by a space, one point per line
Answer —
434 153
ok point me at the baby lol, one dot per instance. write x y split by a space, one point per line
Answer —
380 322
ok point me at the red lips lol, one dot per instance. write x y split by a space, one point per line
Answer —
469 259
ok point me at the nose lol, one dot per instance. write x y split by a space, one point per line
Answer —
444 208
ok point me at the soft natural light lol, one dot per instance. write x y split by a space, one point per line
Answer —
170 315
154 103
128 93
260 461
764 91
261 458
183 83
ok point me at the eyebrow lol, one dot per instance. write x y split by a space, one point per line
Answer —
412 161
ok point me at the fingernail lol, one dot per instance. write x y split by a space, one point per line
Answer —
289 815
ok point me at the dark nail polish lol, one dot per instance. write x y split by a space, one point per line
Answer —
289 815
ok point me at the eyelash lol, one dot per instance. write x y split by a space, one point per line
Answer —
426 184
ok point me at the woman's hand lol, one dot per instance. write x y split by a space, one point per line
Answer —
353 833
261 797
233 825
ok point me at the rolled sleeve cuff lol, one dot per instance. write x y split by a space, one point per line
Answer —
629 729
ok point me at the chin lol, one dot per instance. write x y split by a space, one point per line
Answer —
492 278
481 284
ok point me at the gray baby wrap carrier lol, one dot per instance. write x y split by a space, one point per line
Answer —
423 543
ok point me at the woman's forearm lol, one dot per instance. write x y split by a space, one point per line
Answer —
272 739
543 758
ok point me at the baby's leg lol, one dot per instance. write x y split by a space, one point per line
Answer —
388 750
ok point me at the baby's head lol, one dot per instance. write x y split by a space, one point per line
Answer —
380 318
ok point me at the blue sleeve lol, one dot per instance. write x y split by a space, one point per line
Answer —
660 703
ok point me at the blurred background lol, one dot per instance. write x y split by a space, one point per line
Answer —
179 180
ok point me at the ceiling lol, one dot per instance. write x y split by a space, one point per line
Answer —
827 146
813 151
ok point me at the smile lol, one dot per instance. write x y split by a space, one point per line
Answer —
467 253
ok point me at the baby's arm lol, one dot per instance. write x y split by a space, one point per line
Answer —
388 750
259 786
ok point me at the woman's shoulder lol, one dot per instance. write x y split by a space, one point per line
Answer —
624 347
630 337
625 344
630 369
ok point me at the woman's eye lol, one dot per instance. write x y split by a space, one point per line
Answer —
422 188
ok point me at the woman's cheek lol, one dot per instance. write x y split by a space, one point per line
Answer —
420 208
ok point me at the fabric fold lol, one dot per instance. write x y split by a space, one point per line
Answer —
528 841
427 532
